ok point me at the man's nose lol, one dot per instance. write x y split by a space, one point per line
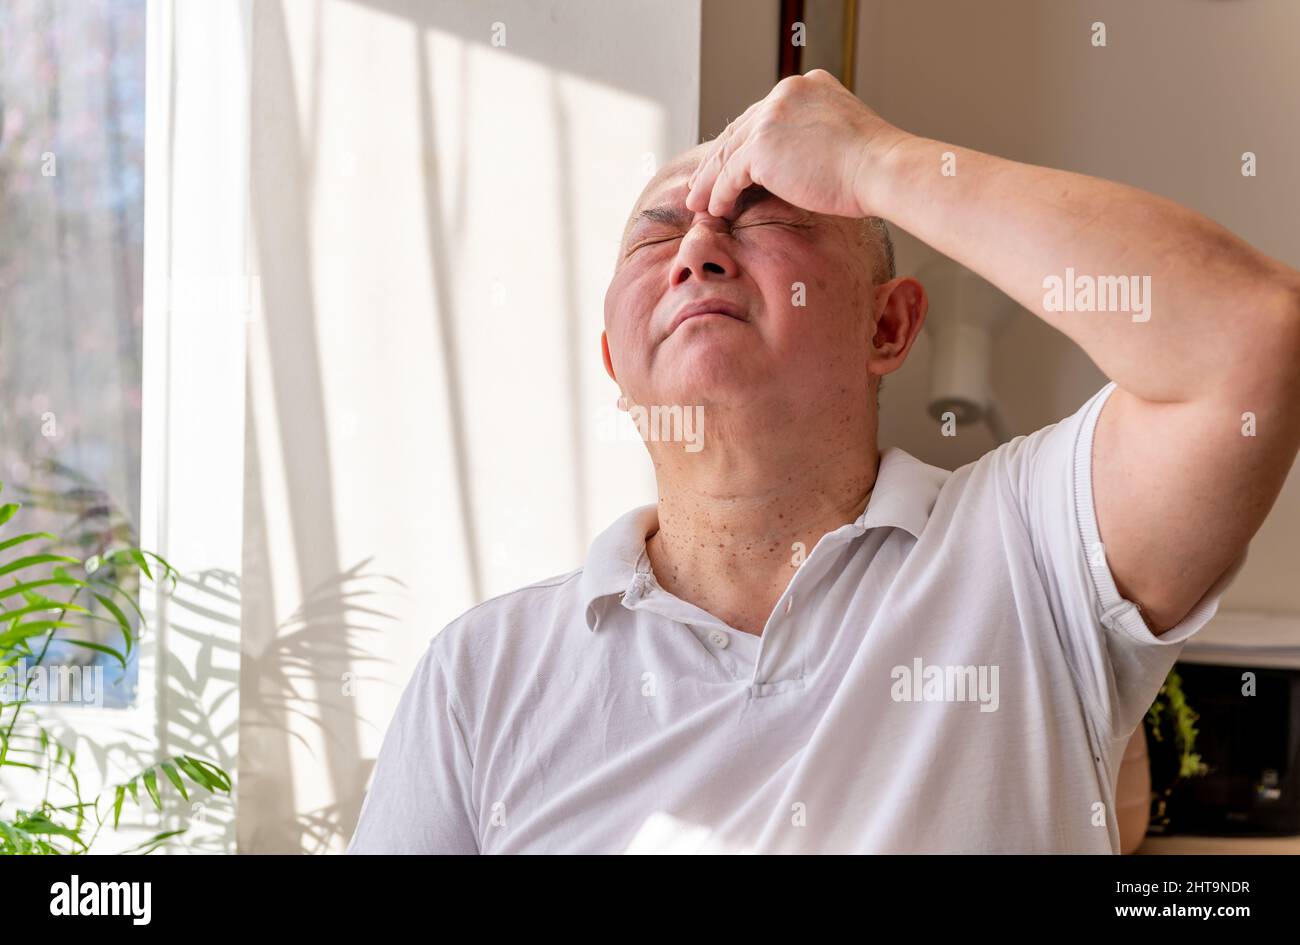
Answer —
703 254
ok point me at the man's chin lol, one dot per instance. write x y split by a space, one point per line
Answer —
719 365
710 391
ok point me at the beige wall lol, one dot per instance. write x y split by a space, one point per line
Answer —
1178 93
738 58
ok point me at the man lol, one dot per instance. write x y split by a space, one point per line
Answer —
810 646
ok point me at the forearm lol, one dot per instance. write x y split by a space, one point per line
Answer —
1217 310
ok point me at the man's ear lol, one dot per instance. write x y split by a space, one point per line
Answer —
901 304
604 350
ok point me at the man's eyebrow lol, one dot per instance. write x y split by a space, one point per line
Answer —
668 213
676 215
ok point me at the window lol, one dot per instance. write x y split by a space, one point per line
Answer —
71 283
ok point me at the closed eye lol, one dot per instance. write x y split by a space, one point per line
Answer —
748 223
652 241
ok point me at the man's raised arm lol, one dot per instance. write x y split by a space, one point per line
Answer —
1199 331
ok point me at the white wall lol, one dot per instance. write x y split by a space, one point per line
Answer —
436 219
1179 92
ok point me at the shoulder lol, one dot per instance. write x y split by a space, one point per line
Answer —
508 625
1048 462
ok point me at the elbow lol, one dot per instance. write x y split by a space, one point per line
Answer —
1266 362
1286 325
1286 304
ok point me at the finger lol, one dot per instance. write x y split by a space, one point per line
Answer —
732 137
730 182
707 169
721 138
697 196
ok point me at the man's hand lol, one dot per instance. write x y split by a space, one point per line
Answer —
809 142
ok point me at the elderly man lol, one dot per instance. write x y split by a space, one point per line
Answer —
808 645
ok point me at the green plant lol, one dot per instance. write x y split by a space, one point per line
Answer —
54 593
1171 746
1171 704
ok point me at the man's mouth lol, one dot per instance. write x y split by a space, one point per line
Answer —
707 307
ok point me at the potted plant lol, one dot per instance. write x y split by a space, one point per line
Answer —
1160 753
48 595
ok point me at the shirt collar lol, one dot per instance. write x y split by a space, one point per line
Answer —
905 492
613 557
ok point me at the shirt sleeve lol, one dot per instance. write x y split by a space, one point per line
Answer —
420 799
1117 662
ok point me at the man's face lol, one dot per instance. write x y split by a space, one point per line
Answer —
752 311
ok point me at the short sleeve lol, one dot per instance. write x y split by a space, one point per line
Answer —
420 799
1117 662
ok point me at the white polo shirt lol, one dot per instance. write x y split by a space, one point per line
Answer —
952 672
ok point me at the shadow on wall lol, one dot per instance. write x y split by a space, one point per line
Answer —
319 648
322 648
194 690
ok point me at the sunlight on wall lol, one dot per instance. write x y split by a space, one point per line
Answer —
436 220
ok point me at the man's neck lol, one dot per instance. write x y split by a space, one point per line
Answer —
735 525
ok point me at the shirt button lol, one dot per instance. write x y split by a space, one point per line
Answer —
718 639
